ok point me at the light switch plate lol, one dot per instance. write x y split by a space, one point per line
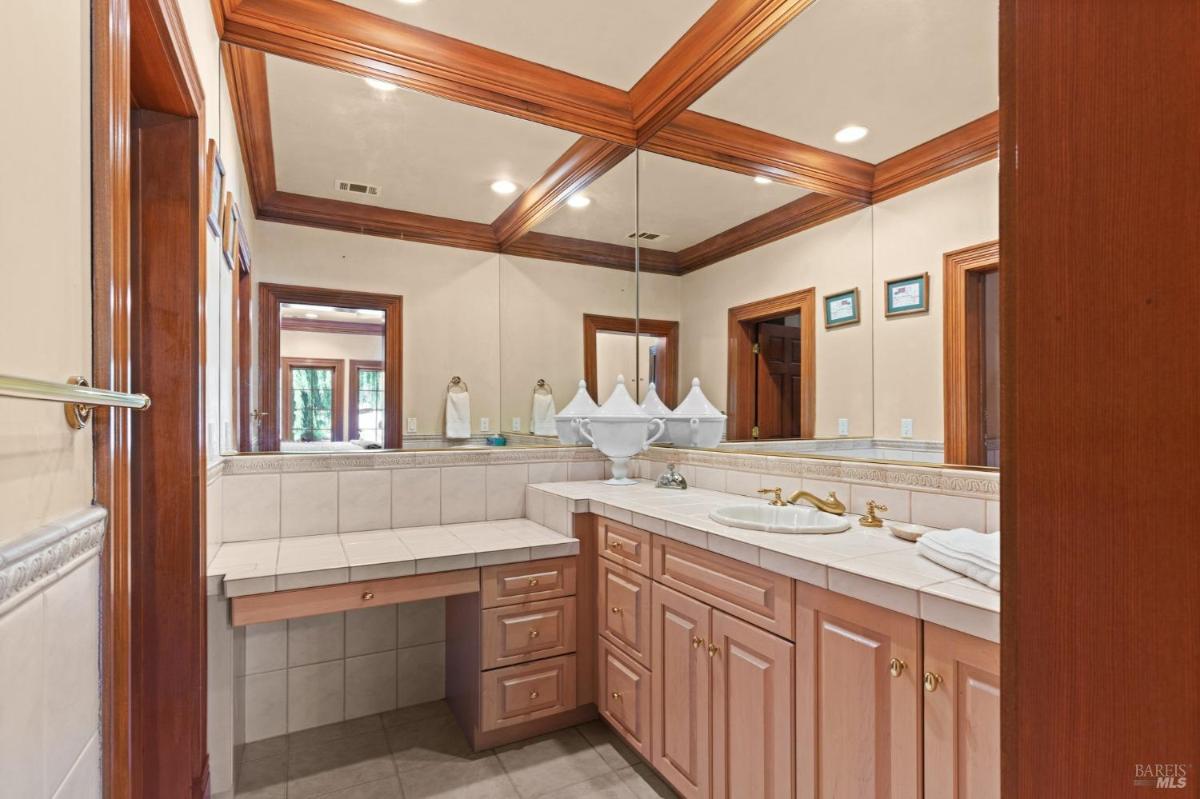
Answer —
412 424
485 424
843 427
516 425
906 428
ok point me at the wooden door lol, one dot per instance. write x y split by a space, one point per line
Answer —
778 388
962 716
681 712
858 727
752 731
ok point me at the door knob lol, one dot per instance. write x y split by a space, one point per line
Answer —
616 694
533 694
896 667
932 681
697 642
616 609
534 633
368 596
533 581
713 650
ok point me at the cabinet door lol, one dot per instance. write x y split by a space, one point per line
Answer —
680 714
858 727
623 698
962 716
624 609
752 742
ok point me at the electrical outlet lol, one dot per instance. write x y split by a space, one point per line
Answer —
412 424
843 427
485 424
906 428
516 425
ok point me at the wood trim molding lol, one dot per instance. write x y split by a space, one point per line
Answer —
586 160
246 73
658 328
961 355
351 40
728 33
807 212
331 326
272 295
593 253
954 151
714 142
338 404
743 368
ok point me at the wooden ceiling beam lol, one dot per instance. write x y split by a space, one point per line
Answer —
714 142
549 247
246 73
959 149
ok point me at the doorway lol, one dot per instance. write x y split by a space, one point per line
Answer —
659 340
772 367
971 332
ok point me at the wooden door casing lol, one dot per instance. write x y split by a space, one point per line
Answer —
753 738
681 718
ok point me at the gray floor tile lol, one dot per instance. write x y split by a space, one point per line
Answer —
643 783
422 712
483 778
382 789
263 779
606 786
616 753
334 732
542 765
425 743
317 770
268 747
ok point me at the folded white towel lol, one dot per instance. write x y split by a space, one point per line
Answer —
543 415
458 415
970 553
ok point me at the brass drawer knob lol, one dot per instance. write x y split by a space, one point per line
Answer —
713 650
533 581
368 596
617 610
896 667
615 545
616 694
697 642
534 633
533 694
932 681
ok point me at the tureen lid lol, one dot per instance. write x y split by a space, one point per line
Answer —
695 404
620 405
580 405
653 405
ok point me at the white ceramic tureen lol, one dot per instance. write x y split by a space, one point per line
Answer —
654 407
620 429
579 408
696 423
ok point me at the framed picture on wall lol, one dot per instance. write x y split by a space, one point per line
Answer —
841 308
906 295
232 218
216 187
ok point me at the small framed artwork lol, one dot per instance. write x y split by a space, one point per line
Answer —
841 308
907 295
216 187
231 219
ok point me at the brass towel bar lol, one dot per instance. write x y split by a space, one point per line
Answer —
78 397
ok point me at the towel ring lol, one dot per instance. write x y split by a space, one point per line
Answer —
543 387
457 382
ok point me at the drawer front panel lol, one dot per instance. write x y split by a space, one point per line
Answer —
514 583
623 544
517 694
624 698
747 592
533 630
623 609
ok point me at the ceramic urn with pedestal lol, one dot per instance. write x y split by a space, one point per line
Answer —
696 423
620 430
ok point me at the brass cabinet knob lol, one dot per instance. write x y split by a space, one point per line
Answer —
615 545
616 694
368 596
617 610
713 650
533 694
932 681
697 642
534 633
533 581
896 667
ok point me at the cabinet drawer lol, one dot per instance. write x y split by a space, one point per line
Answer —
748 592
623 609
624 698
517 694
514 583
623 544
520 633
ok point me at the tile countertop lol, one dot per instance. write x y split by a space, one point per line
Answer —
866 563
281 564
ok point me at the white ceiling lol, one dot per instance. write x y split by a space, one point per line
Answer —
610 41
428 155
610 216
909 70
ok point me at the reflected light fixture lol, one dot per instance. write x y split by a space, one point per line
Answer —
504 187
312 316
850 133
761 180
579 201
409 2
381 85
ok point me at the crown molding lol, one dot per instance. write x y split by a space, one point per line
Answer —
962 148
593 253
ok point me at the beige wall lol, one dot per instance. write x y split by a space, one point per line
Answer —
45 228
617 354
912 233
344 347
831 258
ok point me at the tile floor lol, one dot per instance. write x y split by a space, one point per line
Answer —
419 752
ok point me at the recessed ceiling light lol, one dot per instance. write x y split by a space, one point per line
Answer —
381 85
312 316
409 2
850 133
504 187
761 180
579 201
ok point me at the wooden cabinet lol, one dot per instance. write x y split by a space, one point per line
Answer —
527 692
680 712
531 631
624 696
962 715
623 544
513 583
623 609
858 699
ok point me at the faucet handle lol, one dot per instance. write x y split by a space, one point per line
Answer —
870 519
777 500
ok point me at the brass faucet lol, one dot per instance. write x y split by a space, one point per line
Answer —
830 504
776 500
870 519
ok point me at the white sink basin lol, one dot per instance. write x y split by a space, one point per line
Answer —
774 519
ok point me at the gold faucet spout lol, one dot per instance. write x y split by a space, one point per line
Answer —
830 504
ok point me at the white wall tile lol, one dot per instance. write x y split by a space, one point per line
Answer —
416 497
464 494
250 507
556 514
652 470
364 500
993 517
535 504
84 780
549 472
213 517
264 705
309 503
315 695
897 501
506 490
370 684
316 639
421 622
72 655
370 630
420 674
941 510
744 483
712 479
222 648
586 470
22 718
265 647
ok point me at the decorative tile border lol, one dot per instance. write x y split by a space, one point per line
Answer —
215 470
29 563
273 463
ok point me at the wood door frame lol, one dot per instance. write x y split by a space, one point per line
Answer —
357 365
962 351
656 328
272 295
338 404
743 368
242 345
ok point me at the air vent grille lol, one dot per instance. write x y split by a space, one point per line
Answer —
645 236
351 187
